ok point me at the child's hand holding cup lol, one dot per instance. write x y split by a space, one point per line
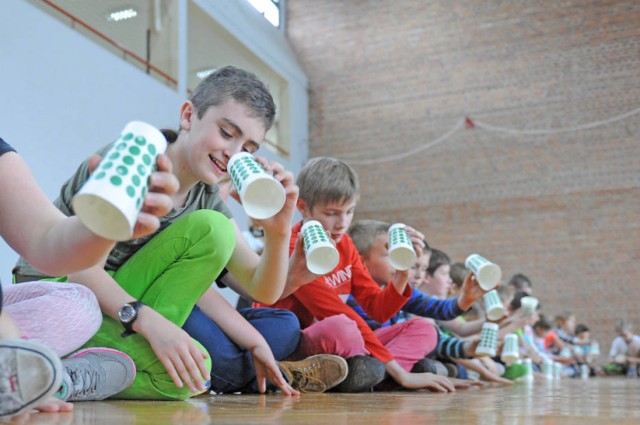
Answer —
320 252
402 255
261 194
110 200
487 273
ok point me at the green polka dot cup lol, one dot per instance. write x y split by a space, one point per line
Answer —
262 195
488 345
493 305
110 200
320 252
510 352
487 274
402 256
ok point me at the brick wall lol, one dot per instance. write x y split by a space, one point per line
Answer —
387 77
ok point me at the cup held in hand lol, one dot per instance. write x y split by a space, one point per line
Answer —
261 194
320 252
528 305
109 201
510 352
487 273
402 256
488 345
493 305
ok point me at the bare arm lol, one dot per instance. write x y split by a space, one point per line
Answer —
56 244
463 329
418 380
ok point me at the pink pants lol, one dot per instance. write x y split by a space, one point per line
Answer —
62 316
408 341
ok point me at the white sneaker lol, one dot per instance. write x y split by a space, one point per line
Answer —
95 374
29 373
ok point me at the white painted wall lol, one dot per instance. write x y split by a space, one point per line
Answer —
63 96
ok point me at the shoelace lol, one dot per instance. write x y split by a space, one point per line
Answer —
305 377
85 382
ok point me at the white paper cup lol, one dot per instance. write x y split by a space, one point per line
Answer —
402 256
261 194
510 352
493 305
595 349
109 201
528 305
528 364
488 345
547 368
584 371
557 370
487 273
322 256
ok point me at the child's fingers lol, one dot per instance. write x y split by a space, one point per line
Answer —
94 160
171 371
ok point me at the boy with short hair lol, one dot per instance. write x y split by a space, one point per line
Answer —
329 192
625 351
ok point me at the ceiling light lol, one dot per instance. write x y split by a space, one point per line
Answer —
120 15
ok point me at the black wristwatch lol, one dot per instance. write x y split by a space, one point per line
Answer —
128 315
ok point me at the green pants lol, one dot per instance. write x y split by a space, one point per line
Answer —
169 274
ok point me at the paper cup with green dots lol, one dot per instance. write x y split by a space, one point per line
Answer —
261 194
493 305
488 345
402 256
487 274
320 252
110 200
510 351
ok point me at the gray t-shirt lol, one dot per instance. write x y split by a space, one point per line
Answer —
200 197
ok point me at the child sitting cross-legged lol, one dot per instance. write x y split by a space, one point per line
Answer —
328 193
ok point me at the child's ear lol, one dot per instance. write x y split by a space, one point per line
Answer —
302 207
186 115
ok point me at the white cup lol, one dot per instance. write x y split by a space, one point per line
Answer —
321 254
488 344
493 305
109 201
528 364
547 368
510 351
557 370
487 273
261 194
402 256
584 371
595 349
528 305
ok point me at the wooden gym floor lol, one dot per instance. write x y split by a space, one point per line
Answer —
610 401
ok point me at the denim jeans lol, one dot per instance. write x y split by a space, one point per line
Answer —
233 368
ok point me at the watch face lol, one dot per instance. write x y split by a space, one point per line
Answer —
126 313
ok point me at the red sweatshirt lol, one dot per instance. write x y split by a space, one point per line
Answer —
327 296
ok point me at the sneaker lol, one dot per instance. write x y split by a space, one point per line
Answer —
29 373
315 374
365 372
428 365
95 374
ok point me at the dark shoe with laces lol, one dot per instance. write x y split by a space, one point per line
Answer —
95 374
365 372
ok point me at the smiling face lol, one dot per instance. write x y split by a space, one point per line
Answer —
206 144
335 217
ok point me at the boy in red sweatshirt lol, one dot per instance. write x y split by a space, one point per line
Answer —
328 193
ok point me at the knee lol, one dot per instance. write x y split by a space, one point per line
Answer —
214 232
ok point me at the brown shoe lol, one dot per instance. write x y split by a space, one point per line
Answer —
315 374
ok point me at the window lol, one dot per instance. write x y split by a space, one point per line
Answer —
270 9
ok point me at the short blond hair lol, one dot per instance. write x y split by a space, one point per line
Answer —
365 232
324 180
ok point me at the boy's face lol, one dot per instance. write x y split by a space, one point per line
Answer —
627 335
584 336
335 217
223 131
540 332
419 270
377 261
438 284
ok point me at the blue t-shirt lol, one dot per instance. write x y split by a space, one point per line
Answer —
5 147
